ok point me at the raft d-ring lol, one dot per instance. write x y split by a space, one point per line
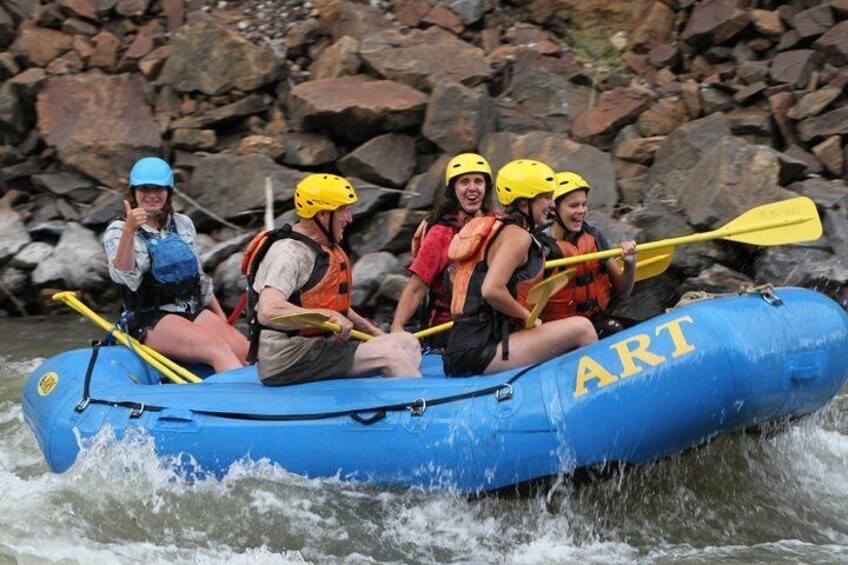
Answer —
770 297
417 408
137 411
504 393
82 405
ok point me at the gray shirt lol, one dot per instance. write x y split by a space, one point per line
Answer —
286 268
132 279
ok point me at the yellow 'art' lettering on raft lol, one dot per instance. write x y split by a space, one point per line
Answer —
677 337
629 351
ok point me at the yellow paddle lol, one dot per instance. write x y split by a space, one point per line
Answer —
649 264
171 370
318 320
790 221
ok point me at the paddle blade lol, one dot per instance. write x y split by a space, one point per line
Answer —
317 320
790 221
304 319
546 288
653 262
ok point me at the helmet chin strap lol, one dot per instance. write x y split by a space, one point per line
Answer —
327 233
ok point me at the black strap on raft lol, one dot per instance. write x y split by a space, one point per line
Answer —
86 385
502 392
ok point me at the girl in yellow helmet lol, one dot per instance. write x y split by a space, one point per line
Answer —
498 260
468 188
595 283
305 269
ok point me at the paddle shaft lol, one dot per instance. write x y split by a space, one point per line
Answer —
170 369
719 233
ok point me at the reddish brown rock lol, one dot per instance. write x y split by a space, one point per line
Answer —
229 61
813 22
457 117
174 11
132 8
355 20
690 93
830 154
640 150
767 23
751 122
794 67
422 59
340 59
151 64
814 103
356 107
834 44
780 104
750 93
81 8
105 54
833 123
388 159
411 12
731 178
616 108
37 46
653 28
715 21
264 145
661 118
445 19
193 139
663 55
98 124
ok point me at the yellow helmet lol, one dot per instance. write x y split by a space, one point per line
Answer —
569 182
467 163
322 192
524 178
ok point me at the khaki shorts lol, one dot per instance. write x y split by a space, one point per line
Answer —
326 359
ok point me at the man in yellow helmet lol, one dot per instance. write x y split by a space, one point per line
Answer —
468 191
306 270
595 283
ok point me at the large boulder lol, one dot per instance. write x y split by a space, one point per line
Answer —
228 60
99 125
231 184
422 59
356 107
730 179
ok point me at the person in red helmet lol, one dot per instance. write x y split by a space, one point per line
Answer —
468 190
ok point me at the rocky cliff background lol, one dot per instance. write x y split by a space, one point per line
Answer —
681 114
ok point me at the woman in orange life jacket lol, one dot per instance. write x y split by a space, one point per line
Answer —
588 293
168 299
468 189
498 260
306 270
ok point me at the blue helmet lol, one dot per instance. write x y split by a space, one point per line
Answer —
151 170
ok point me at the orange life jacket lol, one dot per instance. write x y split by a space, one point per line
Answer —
469 249
588 292
329 285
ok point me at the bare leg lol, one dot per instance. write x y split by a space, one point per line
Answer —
544 342
394 355
176 337
238 343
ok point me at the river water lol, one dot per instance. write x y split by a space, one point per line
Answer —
777 497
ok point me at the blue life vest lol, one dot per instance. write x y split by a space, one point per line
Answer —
174 273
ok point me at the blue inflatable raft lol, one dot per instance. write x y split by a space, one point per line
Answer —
709 368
